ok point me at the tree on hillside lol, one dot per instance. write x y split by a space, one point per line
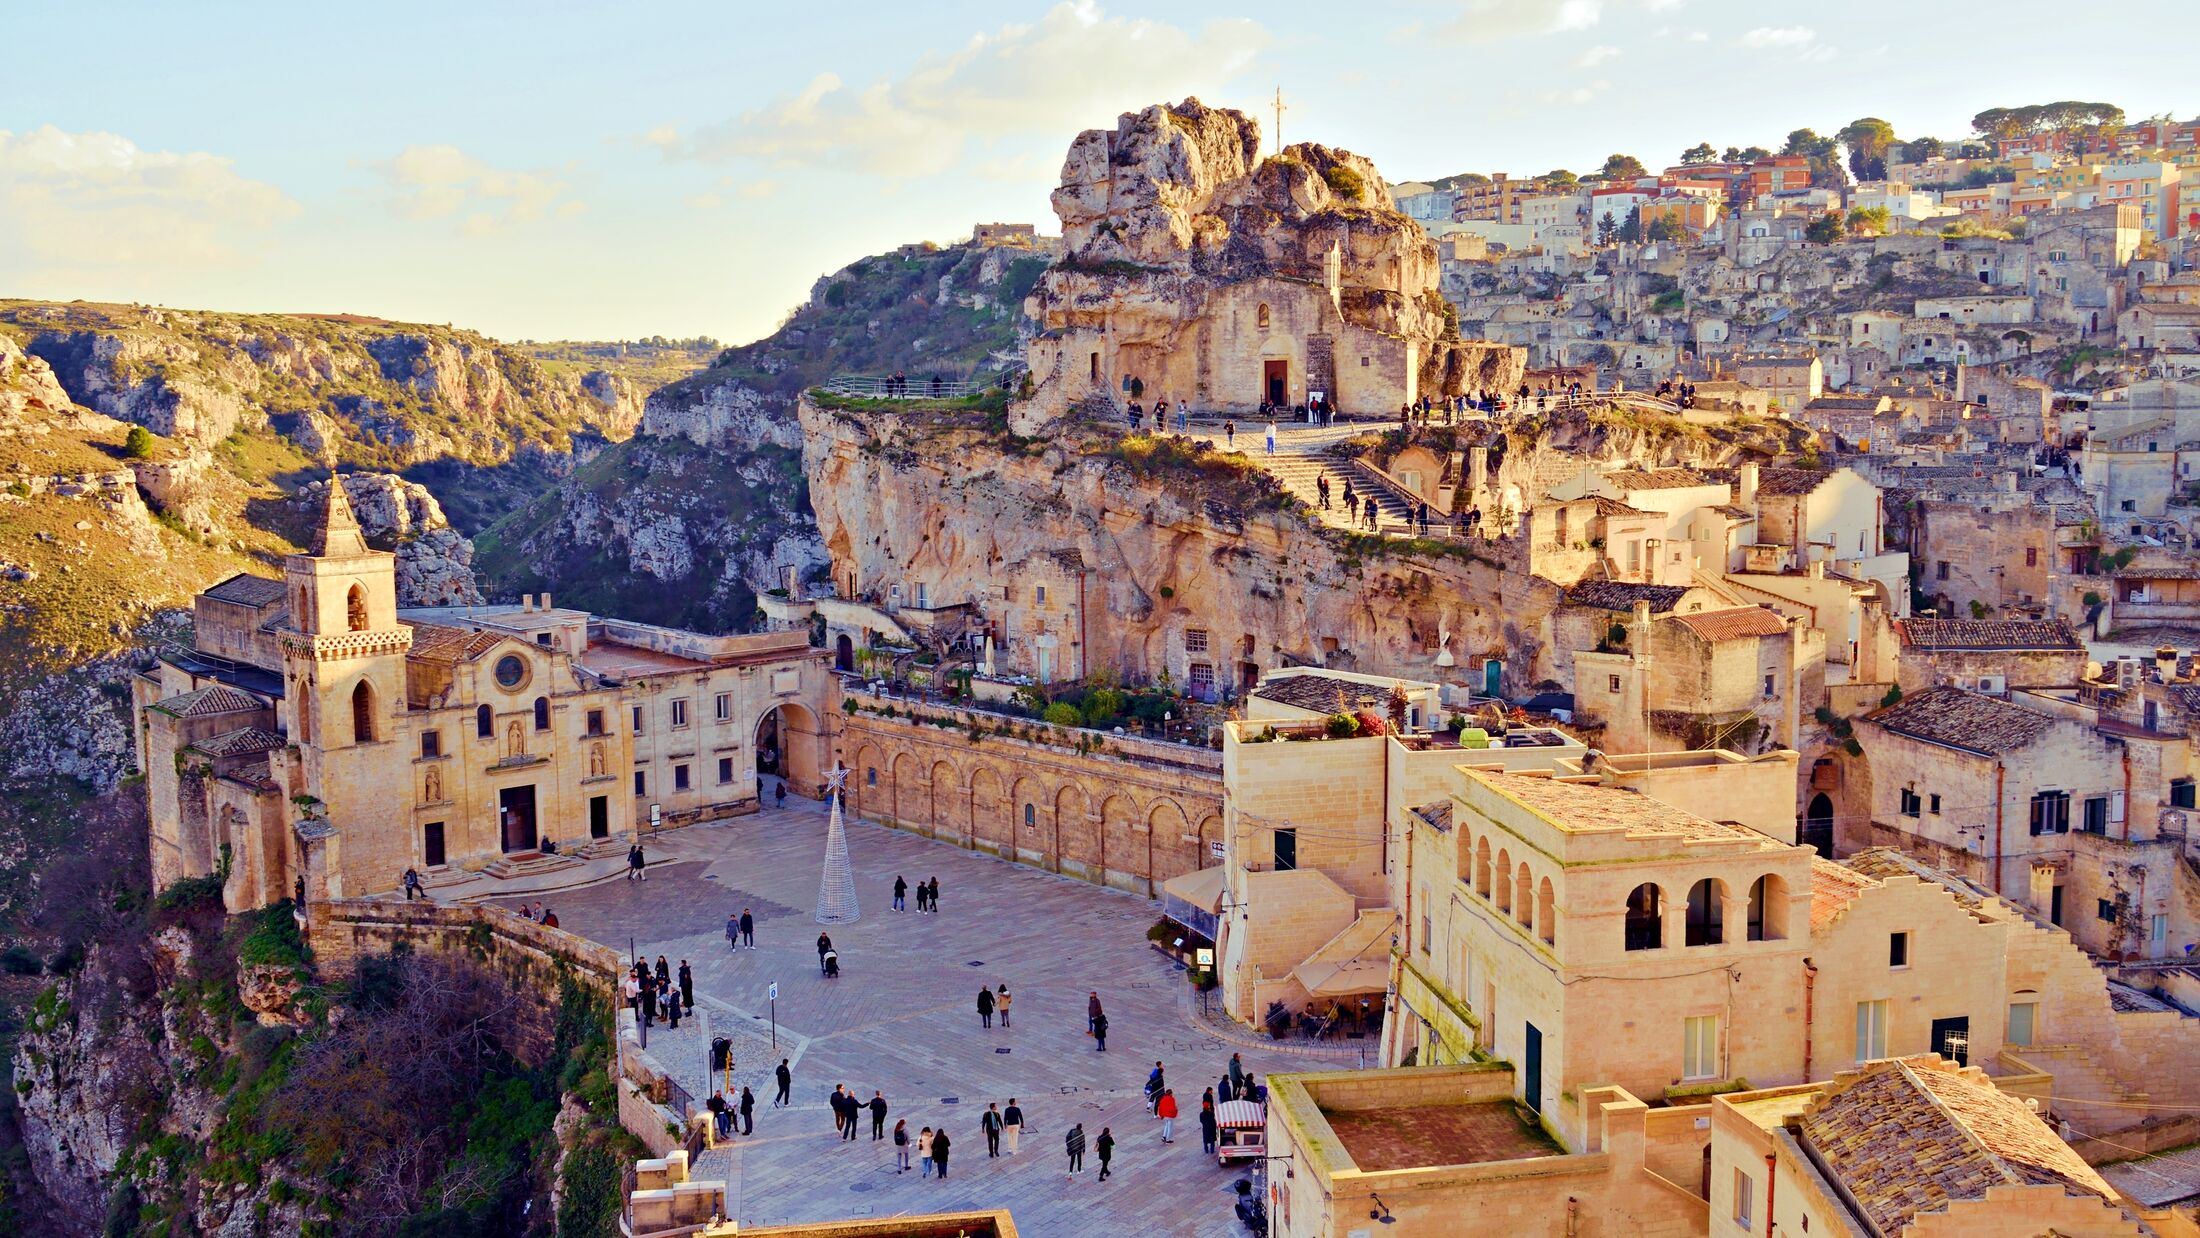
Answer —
1824 168
1867 140
138 443
1607 229
1918 150
1632 229
1745 154
1825 229
1560 178
1621 168
1699 153
2069 117
1868 221
1664 228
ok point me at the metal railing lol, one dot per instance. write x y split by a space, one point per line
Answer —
921 387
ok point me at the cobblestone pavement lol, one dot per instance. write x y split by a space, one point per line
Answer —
902 1019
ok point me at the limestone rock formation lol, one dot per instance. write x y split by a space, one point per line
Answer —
434 561
1207 273
27 383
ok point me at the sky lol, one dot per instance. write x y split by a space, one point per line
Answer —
554 170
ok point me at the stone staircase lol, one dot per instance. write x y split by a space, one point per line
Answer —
604 848
1298 474
528 864
442 875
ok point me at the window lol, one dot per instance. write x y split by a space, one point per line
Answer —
355 608
542 638
725 707
1700 1047
2105 910
2181 793
2031 556
2051 812
1769 693
595 722
1039 593
679 714
638 720
362 714
1031 816
1898 949
1745 1200
2129 505
1706 913
2096 815
1287 850
1611 683
485 723
1645 918
870 775
2158 930
641 782
1871 1030
1202 679
431 744
1941 571
679 777
2024 1020
542 713
1195 640
511 670
1911 805
725 770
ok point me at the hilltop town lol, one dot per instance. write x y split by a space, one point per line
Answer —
1633 702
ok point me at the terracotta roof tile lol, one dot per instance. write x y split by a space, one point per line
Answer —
242 742
439 642
1655 479
1913 1136
1321 693
1832 888
1790 481
1739 623
208 701
1437 814
1609 506
245 589
1982 724
1620 595
1927 633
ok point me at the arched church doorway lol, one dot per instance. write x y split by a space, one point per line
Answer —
844 653
1818 825
788 739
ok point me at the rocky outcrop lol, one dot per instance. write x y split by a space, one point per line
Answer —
1196 267
435 563
731 416
344 388
27 383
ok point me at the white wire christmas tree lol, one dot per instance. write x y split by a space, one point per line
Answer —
836 888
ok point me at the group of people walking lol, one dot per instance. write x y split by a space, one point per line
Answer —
928 895
650 994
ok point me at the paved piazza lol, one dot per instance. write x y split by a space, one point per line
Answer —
902 1018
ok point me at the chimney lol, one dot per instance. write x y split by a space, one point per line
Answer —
546 601
2165 663
527 603
1745 488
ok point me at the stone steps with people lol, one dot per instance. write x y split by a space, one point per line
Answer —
527 864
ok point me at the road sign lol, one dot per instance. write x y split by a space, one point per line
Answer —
773 992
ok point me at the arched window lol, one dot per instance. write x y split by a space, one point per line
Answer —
1646 917
1031 815
542 713
1707 912
355 608
1501 881
1466 859
1545 926
485 723
1524 898
362 714
1261 316
1482 866
1768 909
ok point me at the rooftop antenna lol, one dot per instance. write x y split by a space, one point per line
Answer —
1280 110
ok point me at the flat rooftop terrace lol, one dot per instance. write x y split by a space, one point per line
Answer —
1395 1137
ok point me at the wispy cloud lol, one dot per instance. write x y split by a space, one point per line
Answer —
1490 21
1583 92
443 182
1590 58
1074 67
99 200
1778 36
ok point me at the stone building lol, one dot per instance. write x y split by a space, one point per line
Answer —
1991 656
1201 272
317 736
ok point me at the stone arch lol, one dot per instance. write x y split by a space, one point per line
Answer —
874 798
1029 829
1646 917
1119 841
1818 825
1524 897
944 805
1175 848
1209 833
912 804
1546 923
362 713
990 817
1706 922
485 723
1501 886
1076 834
355 607
1482 866
1466 858
1768 908
789 743
542 713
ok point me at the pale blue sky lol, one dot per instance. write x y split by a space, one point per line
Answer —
561 170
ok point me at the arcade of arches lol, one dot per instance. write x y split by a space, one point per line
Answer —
1128 824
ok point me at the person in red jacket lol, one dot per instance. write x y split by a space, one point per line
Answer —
1167 1109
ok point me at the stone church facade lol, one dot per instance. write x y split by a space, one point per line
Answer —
316 735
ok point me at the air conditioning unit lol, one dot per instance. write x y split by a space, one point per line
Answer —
1993 685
